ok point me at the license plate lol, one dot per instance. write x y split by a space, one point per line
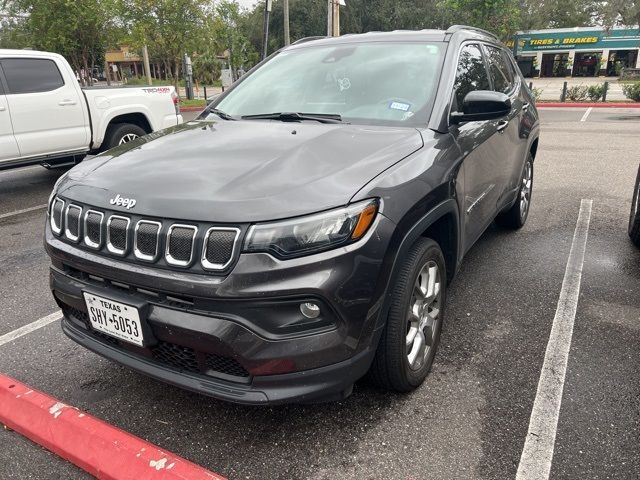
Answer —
114 318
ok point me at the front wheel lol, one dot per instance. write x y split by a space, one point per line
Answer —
121 133
516 216
634 217
412 333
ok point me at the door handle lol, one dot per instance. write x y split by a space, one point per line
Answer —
525 107
2 108
64 103
502 124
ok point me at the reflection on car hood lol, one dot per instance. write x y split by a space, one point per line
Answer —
241 171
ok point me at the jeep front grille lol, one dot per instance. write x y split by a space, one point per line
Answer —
57 210
93 228
169 244
72 222
180 244
219 244
117 234
147 240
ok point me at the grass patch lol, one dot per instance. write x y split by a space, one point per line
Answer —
193 103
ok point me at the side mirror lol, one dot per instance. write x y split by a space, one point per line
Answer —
482 105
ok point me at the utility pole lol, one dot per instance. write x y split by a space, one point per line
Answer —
287 36
147 69
333 17
265 28
336 19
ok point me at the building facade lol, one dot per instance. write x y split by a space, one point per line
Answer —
577 52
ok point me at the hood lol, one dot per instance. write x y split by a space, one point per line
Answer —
240 171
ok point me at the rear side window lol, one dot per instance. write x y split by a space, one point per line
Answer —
31 75
471 74
501 74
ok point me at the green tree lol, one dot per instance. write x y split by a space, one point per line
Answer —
169 28
501 17
77 29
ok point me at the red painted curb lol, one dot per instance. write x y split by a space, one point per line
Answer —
191 109
102 450
588 105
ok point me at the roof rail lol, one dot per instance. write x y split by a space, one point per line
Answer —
308 39
457 28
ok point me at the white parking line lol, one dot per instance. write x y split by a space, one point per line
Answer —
19 332
586 114
537 454
24 210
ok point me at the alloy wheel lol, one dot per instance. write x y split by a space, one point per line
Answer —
424 315
127 138
525 190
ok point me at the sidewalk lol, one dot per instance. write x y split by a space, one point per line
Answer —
552 87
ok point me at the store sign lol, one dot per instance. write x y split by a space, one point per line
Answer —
596 40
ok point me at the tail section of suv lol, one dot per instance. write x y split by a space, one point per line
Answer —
302 232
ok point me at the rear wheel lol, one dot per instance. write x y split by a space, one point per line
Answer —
516 216
634 217
412 333
121 133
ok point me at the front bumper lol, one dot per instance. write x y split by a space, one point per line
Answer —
249 321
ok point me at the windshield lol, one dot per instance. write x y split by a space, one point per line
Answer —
382 83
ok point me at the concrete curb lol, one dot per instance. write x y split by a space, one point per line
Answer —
102 450
587 105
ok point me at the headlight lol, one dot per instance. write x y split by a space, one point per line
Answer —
315 233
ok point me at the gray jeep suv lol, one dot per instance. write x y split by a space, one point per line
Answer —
301 232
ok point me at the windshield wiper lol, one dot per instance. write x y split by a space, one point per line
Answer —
220 113
296 117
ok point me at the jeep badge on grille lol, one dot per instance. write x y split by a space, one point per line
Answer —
128 203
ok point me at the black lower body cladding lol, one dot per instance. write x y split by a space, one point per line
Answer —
241 337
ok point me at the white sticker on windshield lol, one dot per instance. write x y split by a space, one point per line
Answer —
404 107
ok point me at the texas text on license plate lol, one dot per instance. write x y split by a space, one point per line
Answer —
114 318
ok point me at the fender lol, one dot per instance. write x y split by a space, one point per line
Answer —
449 206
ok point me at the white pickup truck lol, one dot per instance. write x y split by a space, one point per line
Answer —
47 118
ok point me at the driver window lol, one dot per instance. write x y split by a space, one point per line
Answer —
471 75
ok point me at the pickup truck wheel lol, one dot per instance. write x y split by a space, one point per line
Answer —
409 341
121 133
634 217
516 216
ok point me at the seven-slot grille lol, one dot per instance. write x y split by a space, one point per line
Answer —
147 239
72 231
93 228
219 245
117 234
180 243
57 209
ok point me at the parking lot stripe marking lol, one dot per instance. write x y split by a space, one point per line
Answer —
537 454
102 450
24 210
19 332
586 114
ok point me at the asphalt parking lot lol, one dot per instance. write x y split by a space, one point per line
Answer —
470 418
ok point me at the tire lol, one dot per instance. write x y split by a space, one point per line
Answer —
392 368
516 216
119 133
634 216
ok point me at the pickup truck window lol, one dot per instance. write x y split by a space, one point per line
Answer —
377 83
31 75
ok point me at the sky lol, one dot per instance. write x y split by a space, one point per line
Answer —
246 3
